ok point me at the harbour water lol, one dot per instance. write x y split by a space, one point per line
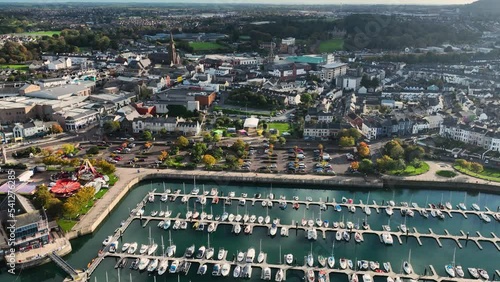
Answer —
86 248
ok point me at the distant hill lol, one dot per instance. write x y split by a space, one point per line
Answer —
483 7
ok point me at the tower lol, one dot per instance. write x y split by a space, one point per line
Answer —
172 52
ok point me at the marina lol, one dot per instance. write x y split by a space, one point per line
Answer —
272 251
237 222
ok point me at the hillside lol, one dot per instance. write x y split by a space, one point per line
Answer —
483 7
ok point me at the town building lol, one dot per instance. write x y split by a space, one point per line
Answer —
168 124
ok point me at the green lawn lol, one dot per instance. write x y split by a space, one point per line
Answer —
281 126
112 179
101 193
66 224
39 33
486 174
15 67
411 170
205 46
446 173
331 45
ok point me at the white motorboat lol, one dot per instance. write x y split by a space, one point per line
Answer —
230 218
260 219
403 228
163 266
448 205
237 271
143 249
154 213
475 207
363 265
310 223
279 275
238 218
214 192
424 213
462 206
284 231
202 269
231 194
151 198
485 217
289 259
353 277
226 268
338 235
367 210
389 211
439 214
387 267
125 247
473 272
196 214
312 234
310 260
143 263
203 215
107 240
221 253
352 209
184 199
189 251
459 271
242 202
343 263
209 253
319 222
374 265
152 248
167 224
195 191
237 229
216 270
211 227
224 216
177 224
171 250
331 261
483 274
273 229
189 214
253 218
153 265
346 236
310 275
246 217
367 278
164 197
173 266
250 256
322 260
267 219
132 248
358 237
408 269
201 252
113 247
266 275
264 203
387 238
160 224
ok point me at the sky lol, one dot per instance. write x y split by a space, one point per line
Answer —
347 2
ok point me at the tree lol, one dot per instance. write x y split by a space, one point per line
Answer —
207 138
346 141
363 150
463 163
163 156
218 153
216 138
94 150
163 131
199 149
70 209
238 145
306 99
282 140
56 128
232 162
366 166
354 133
68 148
147 135
182 142
111 126
413 152
355 165
106 167
209 160
476 167
394 149
385 163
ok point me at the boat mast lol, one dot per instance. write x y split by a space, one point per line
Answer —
119 279
162 246
164 187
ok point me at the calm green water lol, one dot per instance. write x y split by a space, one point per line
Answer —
85 248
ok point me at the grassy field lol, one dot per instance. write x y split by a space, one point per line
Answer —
205 46
281 126
486 174
65 224
15 67
331 45
38 33
411 170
